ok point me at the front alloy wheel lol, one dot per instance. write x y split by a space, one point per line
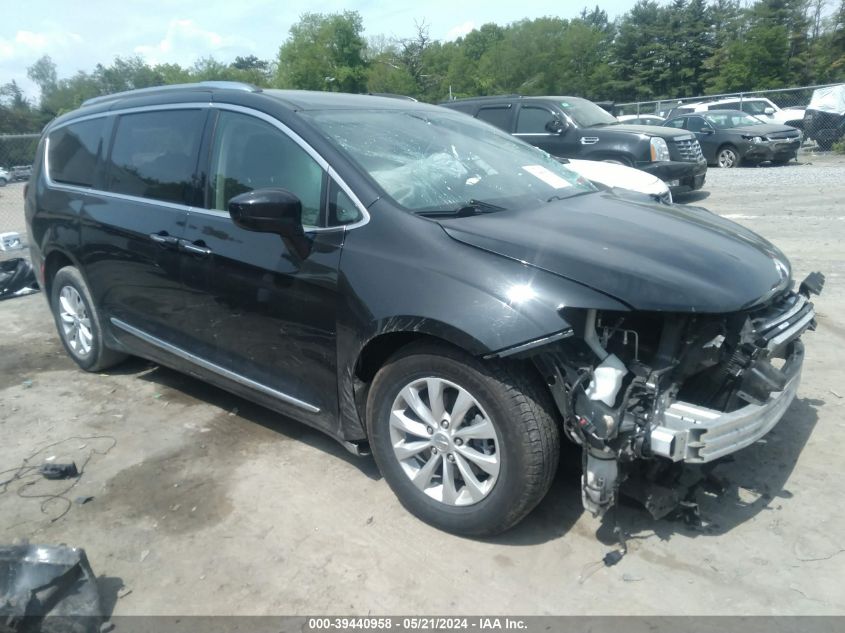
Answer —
728 158
444 441
469 446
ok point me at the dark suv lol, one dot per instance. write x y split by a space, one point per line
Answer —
571 127
416 283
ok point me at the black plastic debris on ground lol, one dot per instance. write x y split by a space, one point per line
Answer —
16 277
47 589
58 471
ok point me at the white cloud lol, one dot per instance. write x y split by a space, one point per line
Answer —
459 30
185 42
30 44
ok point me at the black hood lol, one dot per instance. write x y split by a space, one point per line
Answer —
651 257
666 133
759 130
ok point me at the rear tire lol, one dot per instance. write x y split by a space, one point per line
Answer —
502 420
78 322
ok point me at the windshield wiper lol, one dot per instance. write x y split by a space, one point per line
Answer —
471 207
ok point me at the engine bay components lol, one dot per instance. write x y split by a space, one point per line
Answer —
676 388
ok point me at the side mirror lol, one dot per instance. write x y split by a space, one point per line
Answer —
769 110
557 126
708 130
268 211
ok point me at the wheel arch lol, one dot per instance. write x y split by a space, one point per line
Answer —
54 261
384 344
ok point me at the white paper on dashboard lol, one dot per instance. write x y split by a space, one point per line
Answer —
548 177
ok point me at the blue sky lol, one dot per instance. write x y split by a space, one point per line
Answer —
77 35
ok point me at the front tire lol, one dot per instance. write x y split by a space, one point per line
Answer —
727 157
78 322
468 447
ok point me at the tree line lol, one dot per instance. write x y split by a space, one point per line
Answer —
675 49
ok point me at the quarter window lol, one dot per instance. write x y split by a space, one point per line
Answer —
533 120
341 208
251 154
74 151
154 155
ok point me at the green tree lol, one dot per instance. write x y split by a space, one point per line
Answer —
324 52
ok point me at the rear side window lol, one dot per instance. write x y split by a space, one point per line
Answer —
499 116
678 123
154 155
74 150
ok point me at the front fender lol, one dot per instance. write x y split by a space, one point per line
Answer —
436 286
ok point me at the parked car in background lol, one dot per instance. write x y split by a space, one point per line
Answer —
5 177
21 172
640 119
824 120
418 285
571 127
759 107
730 137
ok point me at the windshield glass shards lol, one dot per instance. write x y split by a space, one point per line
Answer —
446 162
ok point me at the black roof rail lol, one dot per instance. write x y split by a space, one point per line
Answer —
219 85
488 97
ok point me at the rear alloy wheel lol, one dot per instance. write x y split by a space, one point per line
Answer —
78 322
466 446
727 158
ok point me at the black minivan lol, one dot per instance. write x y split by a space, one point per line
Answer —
414 283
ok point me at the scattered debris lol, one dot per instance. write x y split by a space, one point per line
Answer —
83 500
144 555
43 580
630 578
16 278
123 592
613 557
835 394
370 521
27 383
27 474
58 471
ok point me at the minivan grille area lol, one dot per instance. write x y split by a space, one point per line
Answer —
689 150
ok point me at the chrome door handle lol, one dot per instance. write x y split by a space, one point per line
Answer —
163 238
196 249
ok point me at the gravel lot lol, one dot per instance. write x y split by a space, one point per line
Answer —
205 503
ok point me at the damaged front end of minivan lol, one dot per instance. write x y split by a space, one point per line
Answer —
643 393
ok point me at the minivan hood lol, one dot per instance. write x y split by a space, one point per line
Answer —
649 256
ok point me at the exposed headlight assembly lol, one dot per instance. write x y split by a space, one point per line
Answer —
659 149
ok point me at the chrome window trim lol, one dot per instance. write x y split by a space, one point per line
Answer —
194 105
212 367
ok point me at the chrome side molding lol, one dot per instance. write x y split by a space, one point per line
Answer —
217 369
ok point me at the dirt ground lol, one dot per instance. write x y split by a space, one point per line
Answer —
202 503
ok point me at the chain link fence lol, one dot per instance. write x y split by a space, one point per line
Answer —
17 152
784 105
